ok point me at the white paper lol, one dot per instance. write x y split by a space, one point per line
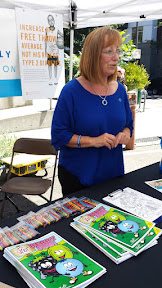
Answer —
137 203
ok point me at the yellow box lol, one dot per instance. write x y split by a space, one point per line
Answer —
26 163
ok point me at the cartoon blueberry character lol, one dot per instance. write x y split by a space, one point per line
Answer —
128 226
72 268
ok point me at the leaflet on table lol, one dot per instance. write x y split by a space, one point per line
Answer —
107 242
115 224
148 241
51 261
137 203
156 184
103 246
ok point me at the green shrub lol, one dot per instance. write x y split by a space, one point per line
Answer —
76 60
136 76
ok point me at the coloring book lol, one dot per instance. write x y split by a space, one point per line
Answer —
114 252
124 252
51 261
115 224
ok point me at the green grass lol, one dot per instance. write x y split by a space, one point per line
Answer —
6 145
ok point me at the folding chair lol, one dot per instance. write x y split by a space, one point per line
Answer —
29 185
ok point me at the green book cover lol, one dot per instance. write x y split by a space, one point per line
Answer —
118 225
147 242
102 245
51 261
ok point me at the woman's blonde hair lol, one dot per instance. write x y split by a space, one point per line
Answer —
91 53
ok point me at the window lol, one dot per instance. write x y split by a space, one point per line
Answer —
140 34
159 31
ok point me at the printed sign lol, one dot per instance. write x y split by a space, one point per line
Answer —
41 53
9 64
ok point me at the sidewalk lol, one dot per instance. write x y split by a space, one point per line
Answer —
148 130
148 124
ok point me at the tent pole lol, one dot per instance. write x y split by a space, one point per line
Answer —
73 14
71 53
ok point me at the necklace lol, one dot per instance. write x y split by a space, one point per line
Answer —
104 101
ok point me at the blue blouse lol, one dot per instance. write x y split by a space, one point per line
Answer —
81 112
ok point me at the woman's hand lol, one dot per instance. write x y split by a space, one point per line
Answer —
108 140
105 139
122 137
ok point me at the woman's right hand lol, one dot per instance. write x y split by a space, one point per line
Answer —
105 139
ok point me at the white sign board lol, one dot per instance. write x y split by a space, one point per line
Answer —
9 64
41 53
136 54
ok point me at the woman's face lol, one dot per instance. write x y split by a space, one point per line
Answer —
109 60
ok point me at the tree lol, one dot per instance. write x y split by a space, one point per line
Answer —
127 49
79 38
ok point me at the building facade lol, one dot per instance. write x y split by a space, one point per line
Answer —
147 36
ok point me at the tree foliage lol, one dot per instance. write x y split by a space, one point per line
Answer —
127 48
79 38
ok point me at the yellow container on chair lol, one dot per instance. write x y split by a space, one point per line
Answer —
24 164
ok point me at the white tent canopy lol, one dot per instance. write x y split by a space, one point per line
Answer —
90 13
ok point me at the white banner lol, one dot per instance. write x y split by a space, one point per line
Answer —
41 53
10 84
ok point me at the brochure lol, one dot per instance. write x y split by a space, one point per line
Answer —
156 184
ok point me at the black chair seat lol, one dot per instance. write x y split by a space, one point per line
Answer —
26 185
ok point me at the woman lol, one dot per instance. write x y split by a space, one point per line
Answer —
92 118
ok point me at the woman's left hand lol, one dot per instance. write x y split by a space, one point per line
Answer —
122 137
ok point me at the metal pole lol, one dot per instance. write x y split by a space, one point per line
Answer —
136 34
72 27
71 53
50 103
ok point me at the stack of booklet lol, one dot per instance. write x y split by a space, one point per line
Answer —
51 261
118 234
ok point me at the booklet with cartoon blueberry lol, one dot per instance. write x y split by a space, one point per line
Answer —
115 224
51 261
